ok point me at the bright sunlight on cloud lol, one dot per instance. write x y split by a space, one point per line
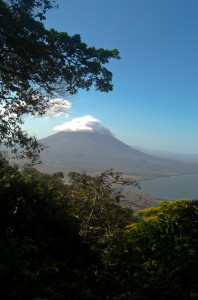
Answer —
86 123
57 107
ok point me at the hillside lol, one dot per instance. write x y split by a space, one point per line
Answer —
95 152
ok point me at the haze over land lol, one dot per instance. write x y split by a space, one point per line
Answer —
168 154
85 145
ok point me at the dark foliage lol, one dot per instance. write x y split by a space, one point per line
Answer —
96 202
42 254
158 257
62 241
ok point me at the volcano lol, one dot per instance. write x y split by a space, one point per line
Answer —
96 152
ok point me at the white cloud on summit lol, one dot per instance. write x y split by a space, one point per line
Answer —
57 107
86 123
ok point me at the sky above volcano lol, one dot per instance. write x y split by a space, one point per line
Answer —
154 103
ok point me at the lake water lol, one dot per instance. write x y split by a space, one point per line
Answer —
171 188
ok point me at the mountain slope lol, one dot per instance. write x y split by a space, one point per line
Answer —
95 152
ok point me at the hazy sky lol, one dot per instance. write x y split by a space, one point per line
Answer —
155 99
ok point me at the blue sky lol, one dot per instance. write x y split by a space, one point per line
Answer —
154 103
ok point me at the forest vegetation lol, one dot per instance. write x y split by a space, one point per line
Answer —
75 241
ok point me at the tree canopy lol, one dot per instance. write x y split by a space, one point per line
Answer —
37 64
157 257
76 241
41 253
95 201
